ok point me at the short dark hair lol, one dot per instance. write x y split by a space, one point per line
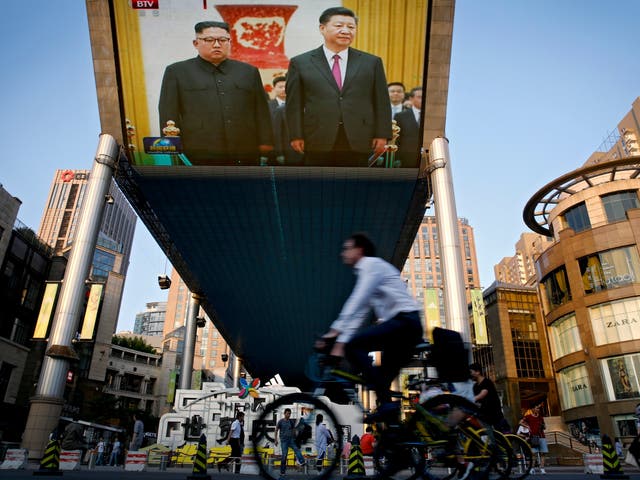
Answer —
476 367
319 419
278 79
360 240
330 12
399 84
200 26
287 410
413 91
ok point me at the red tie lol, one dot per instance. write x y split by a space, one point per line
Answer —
336 71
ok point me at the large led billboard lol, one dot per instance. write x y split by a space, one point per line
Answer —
241 82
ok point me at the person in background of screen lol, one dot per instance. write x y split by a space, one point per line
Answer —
410 137
219 104
397 97
283 152
337 107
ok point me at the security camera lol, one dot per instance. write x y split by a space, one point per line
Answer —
164 282
109 199
200 322
224 357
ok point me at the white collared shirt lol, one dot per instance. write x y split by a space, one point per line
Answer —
344 57
379 287
395 109
416 113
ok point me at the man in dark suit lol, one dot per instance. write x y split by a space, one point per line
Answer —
410 138
396 96
284 153
337 107
218 104
279 93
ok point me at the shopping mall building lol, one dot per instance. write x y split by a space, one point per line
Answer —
589 281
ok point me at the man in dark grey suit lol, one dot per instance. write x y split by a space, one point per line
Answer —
410 138
218 104
337 107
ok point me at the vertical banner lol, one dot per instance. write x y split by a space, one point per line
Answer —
196 380
91 313
46 310
171 394
431 310
479 318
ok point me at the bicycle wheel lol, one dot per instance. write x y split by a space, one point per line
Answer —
450 428
398 455
503 458
522 457
269 457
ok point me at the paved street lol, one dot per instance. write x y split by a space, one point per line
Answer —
553 473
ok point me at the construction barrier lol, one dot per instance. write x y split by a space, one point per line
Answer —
15 459
136 461
50 462
249 465
593 463
200 460
610 460
356 461
70 459
369 467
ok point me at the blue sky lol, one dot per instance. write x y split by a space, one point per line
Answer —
535 88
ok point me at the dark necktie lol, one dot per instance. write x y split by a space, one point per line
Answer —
336 71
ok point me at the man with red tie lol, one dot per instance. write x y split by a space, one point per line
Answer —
337 105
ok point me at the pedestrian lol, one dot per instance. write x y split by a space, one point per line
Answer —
114 459
100 447
324 438
534 420
366 442
236 440
286 428
486 395
138 433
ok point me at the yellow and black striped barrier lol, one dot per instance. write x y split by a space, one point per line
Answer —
356 461
50 462
200 461
610 460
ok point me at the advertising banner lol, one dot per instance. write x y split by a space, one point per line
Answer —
431 310
479 318
246 82
91 313
46 310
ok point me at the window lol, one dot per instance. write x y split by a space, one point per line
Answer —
621 376
556 288
614 322
564 336
617 204
609 269
577 218
574 387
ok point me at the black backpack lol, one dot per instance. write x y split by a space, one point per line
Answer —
449 355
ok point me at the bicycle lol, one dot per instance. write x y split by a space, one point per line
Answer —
422 445
522 456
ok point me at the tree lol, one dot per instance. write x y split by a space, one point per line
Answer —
135 343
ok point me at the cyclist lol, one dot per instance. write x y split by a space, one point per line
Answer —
487 397
398 329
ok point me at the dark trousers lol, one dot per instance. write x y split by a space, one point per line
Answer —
236 451
341 155
395 338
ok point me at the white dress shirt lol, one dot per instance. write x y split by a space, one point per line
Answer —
379 287
416 113
395 109
344 57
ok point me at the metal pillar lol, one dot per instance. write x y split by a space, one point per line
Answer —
455 302
190 333
237 370
47 403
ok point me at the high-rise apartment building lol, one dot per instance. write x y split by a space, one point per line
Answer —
109 268
423 273
521 268
151 321
589 284
210 346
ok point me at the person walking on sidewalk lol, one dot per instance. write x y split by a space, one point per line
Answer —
286 427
